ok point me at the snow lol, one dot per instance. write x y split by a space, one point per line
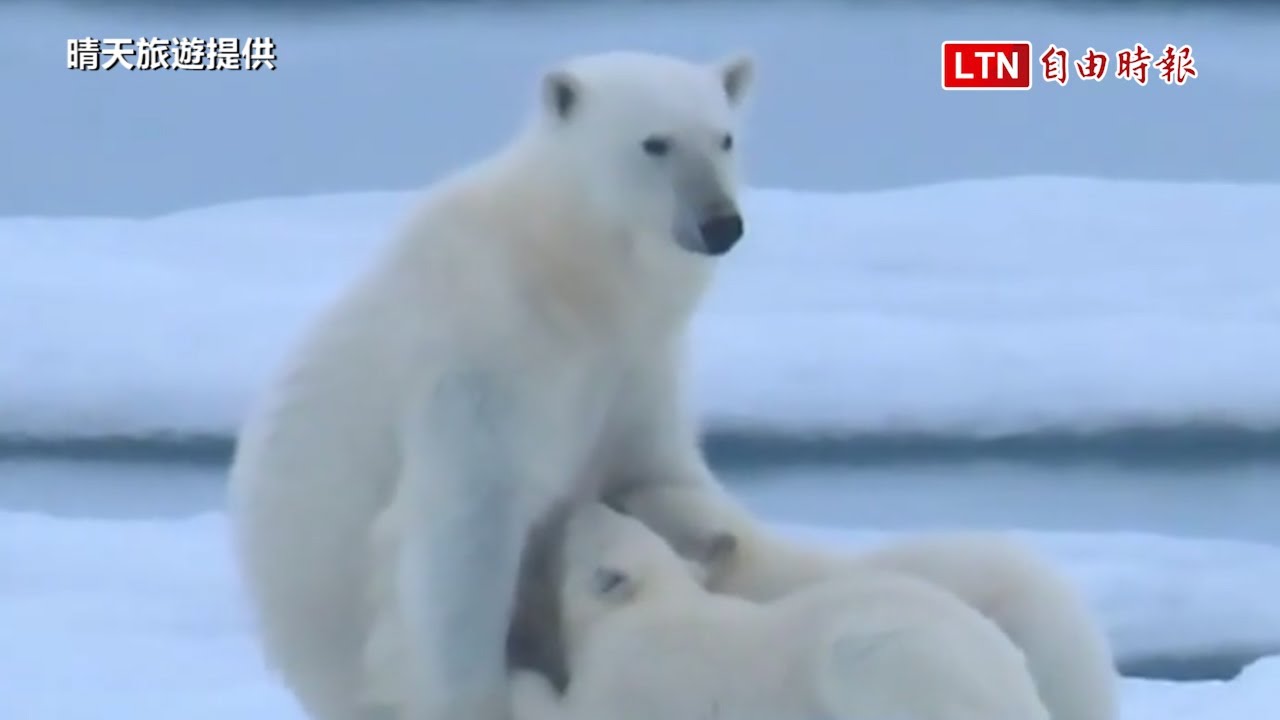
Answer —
143 619
1253 695
974 308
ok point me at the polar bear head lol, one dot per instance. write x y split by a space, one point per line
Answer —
584 561
612 561
651 142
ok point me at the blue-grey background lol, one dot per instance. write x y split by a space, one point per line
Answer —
388 95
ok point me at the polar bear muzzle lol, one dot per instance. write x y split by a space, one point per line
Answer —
721 233
707 219
711 231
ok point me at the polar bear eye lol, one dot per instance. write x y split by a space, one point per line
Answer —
609 582
656 146
726 142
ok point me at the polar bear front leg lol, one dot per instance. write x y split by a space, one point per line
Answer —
655 440
466 488
739 555
658 473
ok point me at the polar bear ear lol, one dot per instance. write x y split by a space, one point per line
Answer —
736 74
708 557
561 93
613 584
715 550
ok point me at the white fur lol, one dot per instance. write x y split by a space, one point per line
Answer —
521 337
1066 650
646 641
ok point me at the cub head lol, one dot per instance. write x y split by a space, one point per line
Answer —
612 561
653 141
582 562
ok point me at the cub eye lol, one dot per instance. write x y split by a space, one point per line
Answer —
656 146
726 142
608 581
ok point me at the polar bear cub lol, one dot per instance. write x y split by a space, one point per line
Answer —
1066 650
645 640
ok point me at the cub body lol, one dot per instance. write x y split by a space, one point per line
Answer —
646 640
1066 650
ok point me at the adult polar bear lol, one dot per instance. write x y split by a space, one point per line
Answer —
519 340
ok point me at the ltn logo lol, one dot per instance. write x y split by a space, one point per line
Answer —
986 65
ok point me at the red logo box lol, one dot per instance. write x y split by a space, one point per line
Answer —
986 65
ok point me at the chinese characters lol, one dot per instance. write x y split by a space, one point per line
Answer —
1174 66
215 53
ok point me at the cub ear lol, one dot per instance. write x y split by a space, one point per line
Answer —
708 557
613 584
715 549
720 548
736 75
561 93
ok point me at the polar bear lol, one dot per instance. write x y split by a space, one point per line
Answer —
646 640
520 338
1066 650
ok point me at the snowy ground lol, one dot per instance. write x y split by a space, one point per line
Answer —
1057 303
968 309
143 620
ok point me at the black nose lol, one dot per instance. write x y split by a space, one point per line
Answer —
721 233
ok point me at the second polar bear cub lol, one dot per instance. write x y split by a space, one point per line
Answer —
645 640
1034 604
